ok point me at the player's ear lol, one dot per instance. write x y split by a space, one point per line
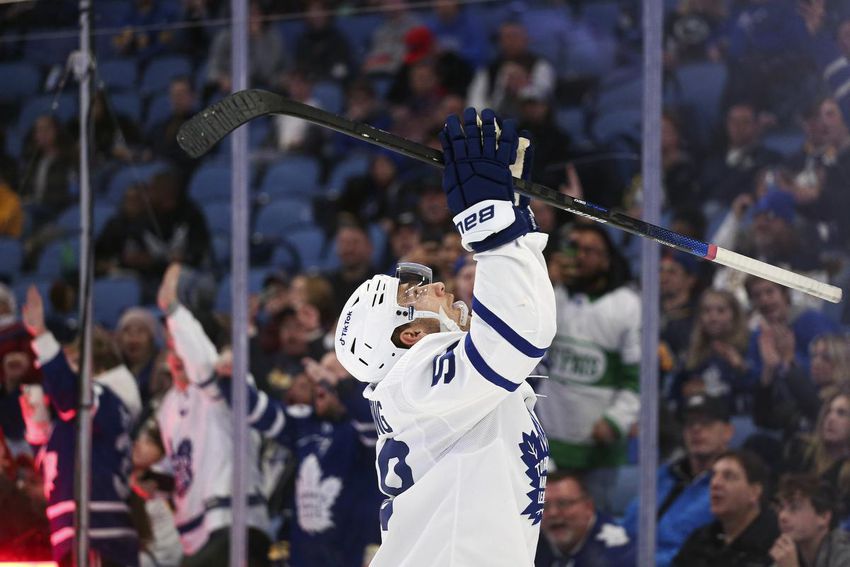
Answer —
412 334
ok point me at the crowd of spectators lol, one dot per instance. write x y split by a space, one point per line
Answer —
755 396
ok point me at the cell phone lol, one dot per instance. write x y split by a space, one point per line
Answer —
164 482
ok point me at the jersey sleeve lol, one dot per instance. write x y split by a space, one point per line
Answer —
195 349
60 381
513 310
512 326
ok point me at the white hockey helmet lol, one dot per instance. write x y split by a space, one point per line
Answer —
363 338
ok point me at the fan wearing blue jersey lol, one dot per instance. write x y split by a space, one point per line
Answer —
461 456
116 405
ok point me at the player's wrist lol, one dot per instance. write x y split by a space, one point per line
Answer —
523 224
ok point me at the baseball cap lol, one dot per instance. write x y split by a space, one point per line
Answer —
688 262
419 42
702 405
779 203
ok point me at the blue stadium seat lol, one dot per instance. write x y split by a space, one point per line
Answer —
700 86
329 96
112 296
20 80
602 16
290 177
58 258
571 119
121 74
351 166
285 257
551 32
379 238
128 104
11 257
47 51
624 490
159 72
358 29
69 220
66 108
623 94
279 217
309 242
217 214
159 109
255 285
617 123
129 175
221 251
110 14
211 182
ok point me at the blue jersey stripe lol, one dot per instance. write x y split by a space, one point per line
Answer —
484 369
505 331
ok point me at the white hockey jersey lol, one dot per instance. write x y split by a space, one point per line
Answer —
196 428
461 455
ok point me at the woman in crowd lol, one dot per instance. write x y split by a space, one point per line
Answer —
826 452
715 362
789 399
138 336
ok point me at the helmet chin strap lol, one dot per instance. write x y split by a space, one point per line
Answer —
447 324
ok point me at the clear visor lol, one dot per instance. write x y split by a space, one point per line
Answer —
413 281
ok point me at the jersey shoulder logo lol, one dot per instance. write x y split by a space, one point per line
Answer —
534 450
315 496
444 366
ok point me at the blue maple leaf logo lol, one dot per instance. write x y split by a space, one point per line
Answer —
535 454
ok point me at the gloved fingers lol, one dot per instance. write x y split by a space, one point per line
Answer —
508 140
448 152
454 132
528 157
473 133
488 129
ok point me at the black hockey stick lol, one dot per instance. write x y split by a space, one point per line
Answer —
204 130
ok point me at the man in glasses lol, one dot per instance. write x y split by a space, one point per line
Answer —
460 454
591 397
575 533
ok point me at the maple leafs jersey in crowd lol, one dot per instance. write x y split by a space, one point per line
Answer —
606 545
112 532
336 497
593 373
461 454
196 428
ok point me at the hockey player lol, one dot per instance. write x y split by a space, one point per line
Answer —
114 541
460 454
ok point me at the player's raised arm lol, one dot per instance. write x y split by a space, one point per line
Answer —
513 302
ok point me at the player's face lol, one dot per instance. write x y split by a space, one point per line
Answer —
730 493
799 520
836 423
566 514
432 297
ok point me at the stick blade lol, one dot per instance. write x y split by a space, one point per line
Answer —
200 133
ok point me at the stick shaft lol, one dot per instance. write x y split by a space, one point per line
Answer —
199 134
